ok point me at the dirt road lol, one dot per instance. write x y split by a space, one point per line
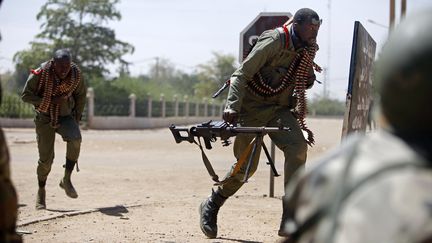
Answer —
140 186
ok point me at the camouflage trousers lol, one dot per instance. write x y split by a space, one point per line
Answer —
8 197
292 143
70 132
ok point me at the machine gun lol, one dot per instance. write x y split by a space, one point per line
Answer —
212 130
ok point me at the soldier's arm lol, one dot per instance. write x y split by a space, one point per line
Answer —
268 46
29 94
80 98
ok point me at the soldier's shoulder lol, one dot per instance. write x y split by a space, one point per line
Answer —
38 71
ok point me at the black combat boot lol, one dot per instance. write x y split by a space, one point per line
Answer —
208 210
40 198
66 183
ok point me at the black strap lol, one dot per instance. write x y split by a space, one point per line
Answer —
207 163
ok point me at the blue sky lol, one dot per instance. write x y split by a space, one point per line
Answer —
188 32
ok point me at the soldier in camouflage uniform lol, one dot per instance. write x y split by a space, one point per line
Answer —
8 195
58 94
268 89
378 188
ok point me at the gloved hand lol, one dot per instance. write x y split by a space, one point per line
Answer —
230 116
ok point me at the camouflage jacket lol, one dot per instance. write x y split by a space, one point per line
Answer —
74 106
373 189
8 197
271 58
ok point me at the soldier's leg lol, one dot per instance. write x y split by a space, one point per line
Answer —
70 132
8 197
209 208
294 147
235 182
45 135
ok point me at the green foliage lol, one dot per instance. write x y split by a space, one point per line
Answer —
325 106
30 59
6 80
13 107
213 74
80 26
165 79
109 99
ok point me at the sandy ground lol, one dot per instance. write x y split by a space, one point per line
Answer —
140 186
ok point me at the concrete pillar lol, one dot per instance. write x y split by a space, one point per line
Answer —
162 100
213 111
176 106
186 100
197 109
90 107
149 106
205 101
132 105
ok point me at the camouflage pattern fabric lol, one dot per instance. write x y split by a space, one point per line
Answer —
372 189
8 197
69 114
271 58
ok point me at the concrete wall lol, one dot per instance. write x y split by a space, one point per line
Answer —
118 122
131 121
18 123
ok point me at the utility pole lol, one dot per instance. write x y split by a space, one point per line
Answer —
325 90
157 67
403 8
392 15
326 70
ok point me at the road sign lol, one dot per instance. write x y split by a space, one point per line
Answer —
359 95
264 21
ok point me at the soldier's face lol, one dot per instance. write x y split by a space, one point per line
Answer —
307 32
62 67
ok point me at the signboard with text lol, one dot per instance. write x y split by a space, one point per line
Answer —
264 21
359 94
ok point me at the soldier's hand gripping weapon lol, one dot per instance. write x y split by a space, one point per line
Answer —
210 131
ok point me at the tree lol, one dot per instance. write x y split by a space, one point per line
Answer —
78 25
213 74
162 70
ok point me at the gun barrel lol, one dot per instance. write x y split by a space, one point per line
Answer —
259 130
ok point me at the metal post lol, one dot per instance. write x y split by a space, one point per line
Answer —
273 156
403 8
392 15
